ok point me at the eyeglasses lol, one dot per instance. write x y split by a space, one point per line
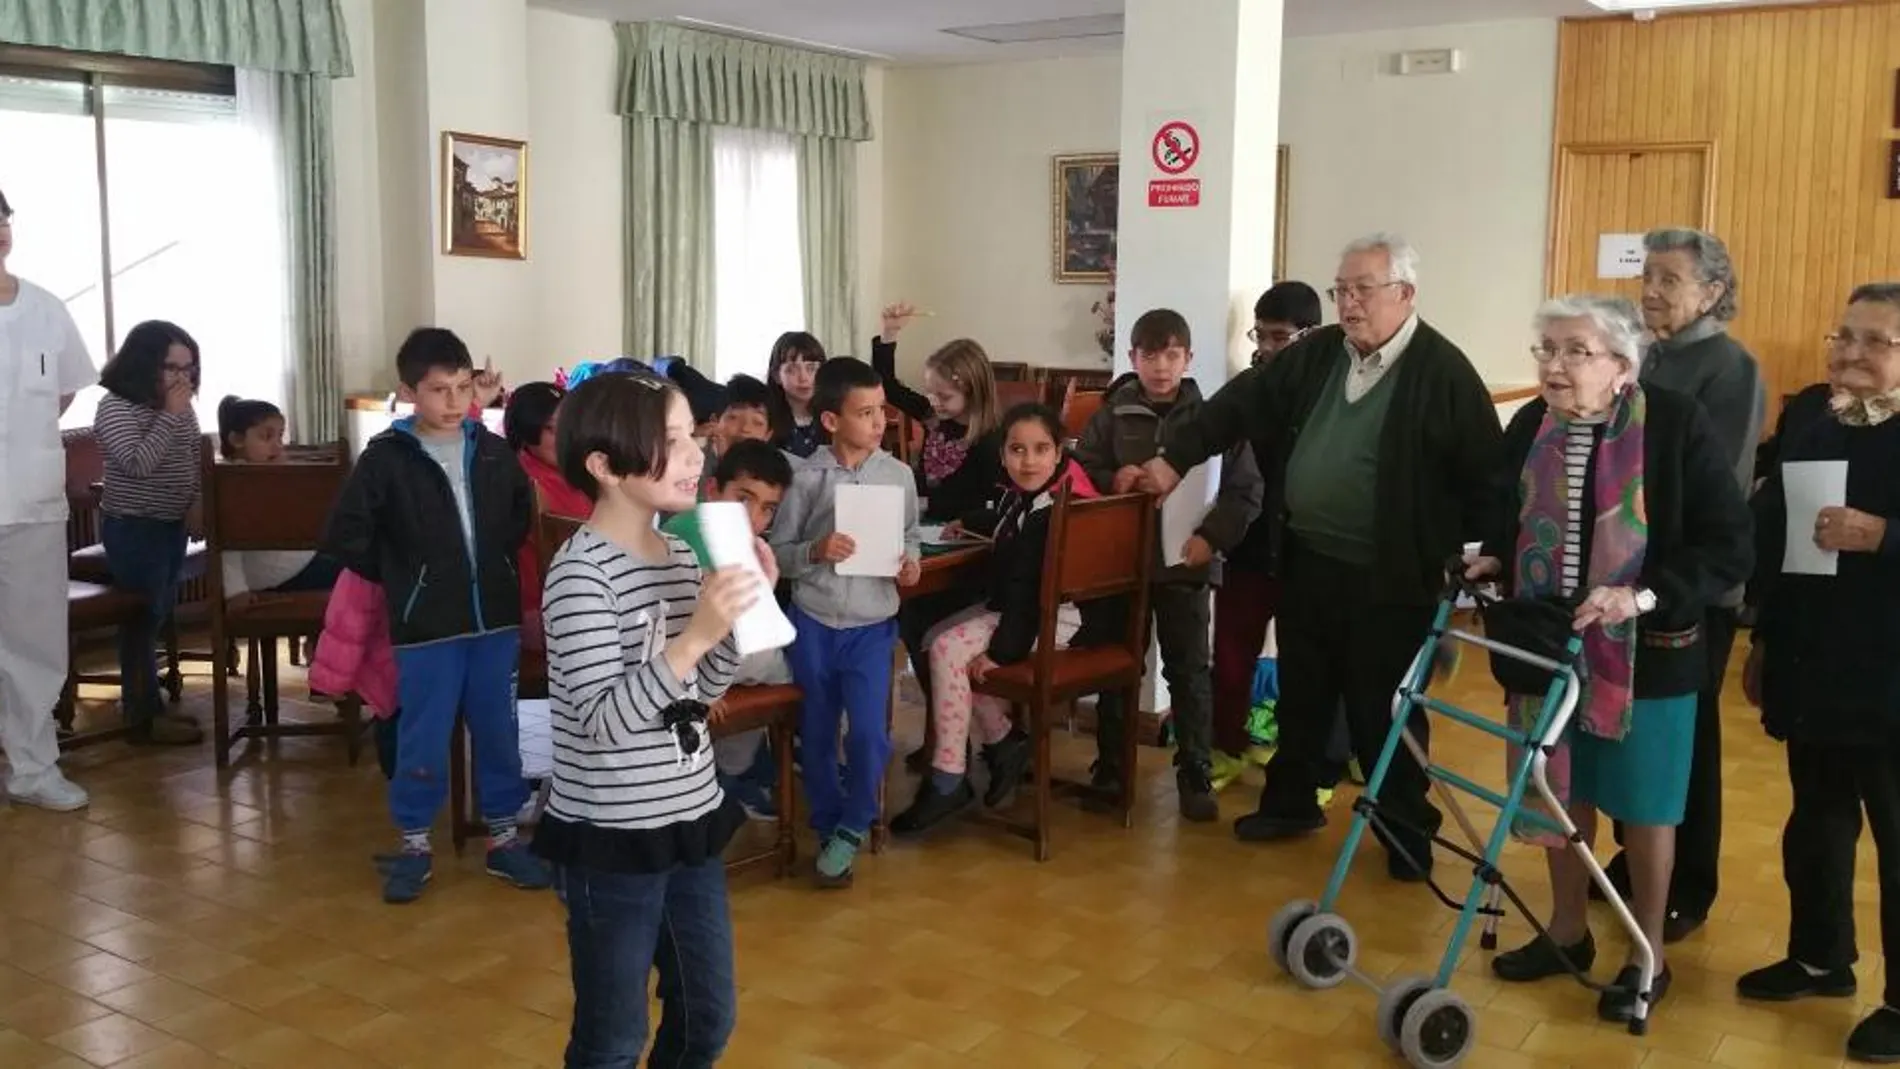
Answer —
1275 337
180 369
1362 292
1871 344
1569 355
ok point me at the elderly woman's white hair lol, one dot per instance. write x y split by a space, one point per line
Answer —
1615 319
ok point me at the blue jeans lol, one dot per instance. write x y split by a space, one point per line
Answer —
146 557
473 674
621 927
846 676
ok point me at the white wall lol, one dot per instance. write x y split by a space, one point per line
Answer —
1460 164
967 202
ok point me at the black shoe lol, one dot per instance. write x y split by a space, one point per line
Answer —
1403 869
1007 761
932 807
1617 1004
1876 1039
1196 791
1105 786
1265 826
917 762
1678 925
1542 958
1786 981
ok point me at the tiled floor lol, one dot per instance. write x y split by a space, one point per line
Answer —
191 919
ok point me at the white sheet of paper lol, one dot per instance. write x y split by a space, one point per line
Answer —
730 543
1184 509
873 516
1620 255
532 717
1811 485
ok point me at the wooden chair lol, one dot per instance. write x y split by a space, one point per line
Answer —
903 436
1010 370
1100 548
253 507
91 607
1010 393
1078 408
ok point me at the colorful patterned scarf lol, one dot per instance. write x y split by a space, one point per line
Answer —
1617 548
1853 411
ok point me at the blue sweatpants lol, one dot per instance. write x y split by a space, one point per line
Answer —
474 674
846 676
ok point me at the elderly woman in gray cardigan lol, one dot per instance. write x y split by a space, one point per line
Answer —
1690 293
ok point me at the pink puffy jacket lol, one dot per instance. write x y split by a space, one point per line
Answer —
354 654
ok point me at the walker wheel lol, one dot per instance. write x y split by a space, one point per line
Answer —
1321 951
1280 928
1393 1002
1439 1030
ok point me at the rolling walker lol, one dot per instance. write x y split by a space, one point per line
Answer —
1420 1017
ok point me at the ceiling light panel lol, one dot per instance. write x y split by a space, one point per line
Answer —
1071 29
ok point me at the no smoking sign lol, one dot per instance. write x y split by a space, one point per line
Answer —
1176 149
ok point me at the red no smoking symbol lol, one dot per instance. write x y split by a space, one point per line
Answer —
1177 145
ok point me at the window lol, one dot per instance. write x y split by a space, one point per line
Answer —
758 270
153 192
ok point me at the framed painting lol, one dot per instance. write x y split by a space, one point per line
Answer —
1087 191
1282 198
484 196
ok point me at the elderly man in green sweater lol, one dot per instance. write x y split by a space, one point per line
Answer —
1388 440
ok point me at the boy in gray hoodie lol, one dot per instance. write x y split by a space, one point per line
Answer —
847 624
1124 434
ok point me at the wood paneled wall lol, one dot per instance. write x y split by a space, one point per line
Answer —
1799 102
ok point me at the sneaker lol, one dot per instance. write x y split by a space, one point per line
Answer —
1225 769
1542 958
1877 1039
1617 1004
49 790
1196 791
1788 980
1261 755
917 762
1678 925
1105 786
932 807
754 798
833 868
1324 796
513 864
1008 761
404 876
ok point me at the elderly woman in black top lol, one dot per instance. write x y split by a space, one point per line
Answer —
1617 496
1825 669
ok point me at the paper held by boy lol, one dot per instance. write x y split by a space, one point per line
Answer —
731 544
1183 510
873 518
1810 486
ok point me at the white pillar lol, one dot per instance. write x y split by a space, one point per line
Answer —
1202 78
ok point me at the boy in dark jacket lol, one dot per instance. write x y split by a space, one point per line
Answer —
435 511
1123 435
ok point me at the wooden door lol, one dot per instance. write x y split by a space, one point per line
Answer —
1622 189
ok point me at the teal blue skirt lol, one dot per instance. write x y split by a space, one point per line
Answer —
1643 779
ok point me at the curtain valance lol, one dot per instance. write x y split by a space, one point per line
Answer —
283 36
685 75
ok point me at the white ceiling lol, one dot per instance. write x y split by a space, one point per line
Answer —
912 30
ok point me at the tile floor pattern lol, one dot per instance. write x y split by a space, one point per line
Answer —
191 919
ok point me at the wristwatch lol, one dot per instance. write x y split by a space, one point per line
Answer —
1645 601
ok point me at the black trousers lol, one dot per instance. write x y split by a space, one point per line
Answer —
1832 784
1182 615
1338 643
1699 837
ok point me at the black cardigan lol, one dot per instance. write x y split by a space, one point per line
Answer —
1699 535
973 486
1832 643
1436 454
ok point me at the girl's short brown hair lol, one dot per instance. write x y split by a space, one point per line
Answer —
964 363
621 416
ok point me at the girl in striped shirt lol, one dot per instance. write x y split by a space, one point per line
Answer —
639 642
148 437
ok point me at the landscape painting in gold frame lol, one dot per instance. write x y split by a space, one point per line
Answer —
1085 206
484 196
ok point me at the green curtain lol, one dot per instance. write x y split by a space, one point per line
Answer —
828 237
304 136
676 84
669 238
291 36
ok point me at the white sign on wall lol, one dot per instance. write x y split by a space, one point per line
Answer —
1620 256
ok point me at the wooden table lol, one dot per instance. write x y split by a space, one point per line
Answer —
948 570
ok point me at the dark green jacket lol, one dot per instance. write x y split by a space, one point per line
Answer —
1436 454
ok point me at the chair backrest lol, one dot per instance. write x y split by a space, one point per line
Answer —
551 532
85 469
271 506
1098 548
903 436
1010 370
1079 409
1010 393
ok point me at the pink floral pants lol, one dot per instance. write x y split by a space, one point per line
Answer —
959 711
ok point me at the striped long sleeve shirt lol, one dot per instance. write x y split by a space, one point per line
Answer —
151 459
622 798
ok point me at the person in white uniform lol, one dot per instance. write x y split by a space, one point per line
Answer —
43 363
